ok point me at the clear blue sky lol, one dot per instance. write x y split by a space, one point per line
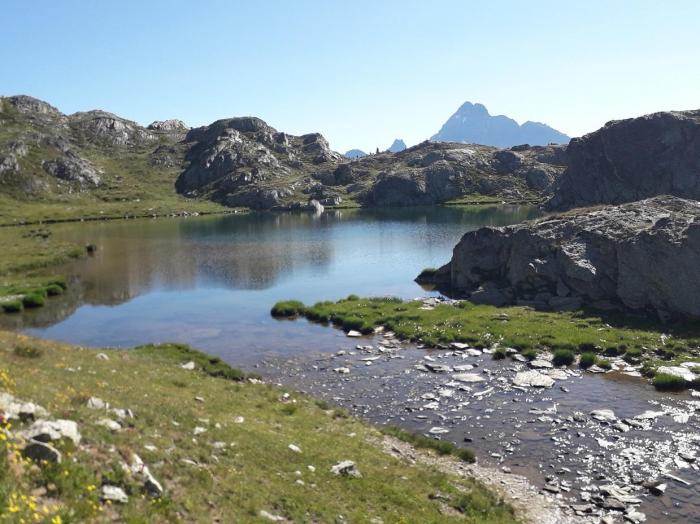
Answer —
360 72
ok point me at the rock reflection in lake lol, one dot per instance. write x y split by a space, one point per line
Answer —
210 281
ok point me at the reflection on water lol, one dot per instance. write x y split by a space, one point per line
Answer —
210 281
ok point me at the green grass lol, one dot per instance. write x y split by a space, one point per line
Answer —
666 382
12 306
530 331
33 300
253 471
287 309
563 357
526 329
441 447
587 360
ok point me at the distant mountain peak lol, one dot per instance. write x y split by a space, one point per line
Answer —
397 146
473 124
355 153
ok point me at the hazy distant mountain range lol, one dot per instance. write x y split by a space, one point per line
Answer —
472 124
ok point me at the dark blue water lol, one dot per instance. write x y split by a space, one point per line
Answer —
210 281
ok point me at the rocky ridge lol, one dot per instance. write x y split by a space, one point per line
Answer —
641 256
45 154
632 159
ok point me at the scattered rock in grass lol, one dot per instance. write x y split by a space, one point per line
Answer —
238 420
14 408
41 451
113 494
189 366
102 356
50 430
294 448
199 399
97 403
346 468
273 518
110 424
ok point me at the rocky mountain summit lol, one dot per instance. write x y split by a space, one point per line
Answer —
397 146
632 159
641 256
472 124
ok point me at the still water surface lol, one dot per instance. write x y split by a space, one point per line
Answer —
210 281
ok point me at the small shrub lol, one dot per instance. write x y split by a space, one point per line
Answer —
13 306
666 382
499 354
633 355
467 455
25 351
604 363
587 360
289 409
530 354
341 413
287 309
563 357
357 324
323 405
587 347
53 290
353 298
33 300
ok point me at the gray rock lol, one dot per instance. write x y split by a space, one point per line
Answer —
113 494
533 378
632 159
50 430
641 256
346 468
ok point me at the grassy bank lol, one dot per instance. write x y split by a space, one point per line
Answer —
77 208
219 445
522 328
27 260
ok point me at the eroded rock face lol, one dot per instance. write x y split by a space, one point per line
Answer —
106 128
628 160
638 256
431 173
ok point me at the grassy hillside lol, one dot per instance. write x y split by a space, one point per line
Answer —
219 446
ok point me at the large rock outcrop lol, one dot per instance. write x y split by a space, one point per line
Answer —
432 173
641 256
628 160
